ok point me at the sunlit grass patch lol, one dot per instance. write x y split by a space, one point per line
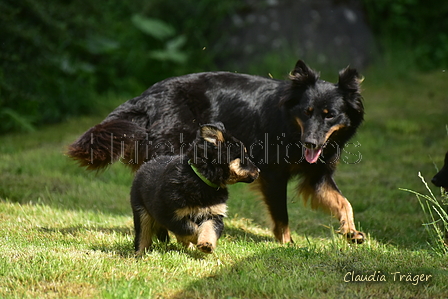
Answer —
67 233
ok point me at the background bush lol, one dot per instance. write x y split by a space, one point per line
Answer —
413 30
58 58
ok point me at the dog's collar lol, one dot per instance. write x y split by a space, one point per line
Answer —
202 177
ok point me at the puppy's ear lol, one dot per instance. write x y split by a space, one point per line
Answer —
213 133
350 80
302 75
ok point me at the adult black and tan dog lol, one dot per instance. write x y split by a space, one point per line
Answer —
186 194
294 127
441 178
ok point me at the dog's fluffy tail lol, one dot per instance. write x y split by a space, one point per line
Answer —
108 142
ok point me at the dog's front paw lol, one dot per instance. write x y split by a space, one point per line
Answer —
206 247
355 237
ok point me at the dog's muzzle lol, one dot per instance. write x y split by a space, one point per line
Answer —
252 176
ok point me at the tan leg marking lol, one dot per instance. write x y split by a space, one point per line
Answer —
147 224
207 238
331 201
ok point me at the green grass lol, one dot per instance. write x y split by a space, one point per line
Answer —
436 217
66 233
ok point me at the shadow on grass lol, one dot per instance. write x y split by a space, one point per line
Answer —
272 273
239 234
126 250
124 246
294 272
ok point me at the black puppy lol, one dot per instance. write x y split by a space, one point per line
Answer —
186 194
441 178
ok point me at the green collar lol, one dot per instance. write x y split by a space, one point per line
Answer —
202 177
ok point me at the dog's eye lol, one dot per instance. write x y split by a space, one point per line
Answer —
328 115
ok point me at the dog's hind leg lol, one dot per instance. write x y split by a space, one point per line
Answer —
274 189
185 229
209 233
162 234
326 195
145 226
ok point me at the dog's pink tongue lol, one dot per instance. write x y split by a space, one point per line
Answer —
312 155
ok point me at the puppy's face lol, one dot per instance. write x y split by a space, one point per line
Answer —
226 150
241 167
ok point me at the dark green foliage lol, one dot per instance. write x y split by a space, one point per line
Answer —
56 57
416 28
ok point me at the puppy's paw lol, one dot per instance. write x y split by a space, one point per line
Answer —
206 247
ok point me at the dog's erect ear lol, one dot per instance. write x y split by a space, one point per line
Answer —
213 133
350 83
302 75
349 79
